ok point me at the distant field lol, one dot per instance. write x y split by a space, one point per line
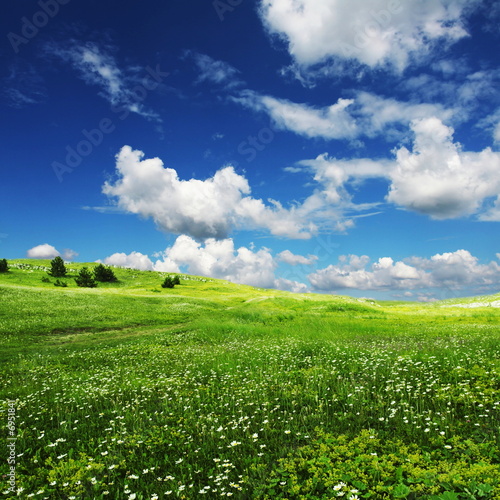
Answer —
211 389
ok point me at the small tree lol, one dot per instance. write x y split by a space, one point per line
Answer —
104 274
176 280
168 283
4 267
85 279
58 269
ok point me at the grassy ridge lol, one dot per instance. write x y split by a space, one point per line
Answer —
213 390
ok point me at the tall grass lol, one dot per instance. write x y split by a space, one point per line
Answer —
128 395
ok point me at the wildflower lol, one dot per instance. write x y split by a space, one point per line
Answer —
287 431
132 496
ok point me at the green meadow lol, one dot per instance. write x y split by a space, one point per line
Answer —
214 390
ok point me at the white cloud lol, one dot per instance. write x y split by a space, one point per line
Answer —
137 260
123 88
220 259
47 251
439 179
215 71
366 114
332 122
44 251
377 33
294 260
290 285
202 209
216 259
496 132
454 270
69 254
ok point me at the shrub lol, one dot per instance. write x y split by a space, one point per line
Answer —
46 280
58 282
104 274
168 283
57 268
4 267
176 280
85 279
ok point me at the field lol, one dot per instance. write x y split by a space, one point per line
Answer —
214 390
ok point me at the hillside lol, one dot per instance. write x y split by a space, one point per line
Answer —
212 389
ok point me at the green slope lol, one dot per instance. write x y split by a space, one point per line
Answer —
212 389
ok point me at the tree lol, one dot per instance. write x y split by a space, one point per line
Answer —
4 267
104 274
168 283
85 278
176 280
58 269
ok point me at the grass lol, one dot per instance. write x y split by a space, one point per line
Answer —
213 390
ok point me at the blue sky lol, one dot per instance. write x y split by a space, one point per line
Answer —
308 145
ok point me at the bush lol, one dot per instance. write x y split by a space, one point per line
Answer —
4 267
46 280
168 283
58 282
85 279
57 268
176 280
104 274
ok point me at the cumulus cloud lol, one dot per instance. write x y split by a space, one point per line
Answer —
46 251
294 260
393 33
453 270
438 179
208 208
214 258
137 260
220 259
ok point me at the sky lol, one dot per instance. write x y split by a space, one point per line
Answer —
329 146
